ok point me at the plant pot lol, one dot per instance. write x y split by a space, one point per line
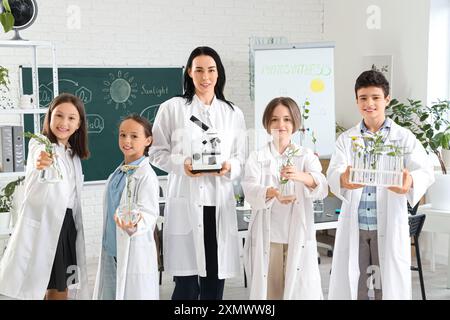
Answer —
5 218
437 194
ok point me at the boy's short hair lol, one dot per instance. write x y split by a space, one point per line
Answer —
289 103
372 78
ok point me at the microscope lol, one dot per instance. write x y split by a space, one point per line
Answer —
206 155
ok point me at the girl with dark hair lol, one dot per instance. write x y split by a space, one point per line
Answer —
200 225
128 265
46 252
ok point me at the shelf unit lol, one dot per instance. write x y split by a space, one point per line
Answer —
24 111
36 112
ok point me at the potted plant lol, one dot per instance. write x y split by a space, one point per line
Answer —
431 127
6 16
6 202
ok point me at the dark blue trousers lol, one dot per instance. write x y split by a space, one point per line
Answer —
209 287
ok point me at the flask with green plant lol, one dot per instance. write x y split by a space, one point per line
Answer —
53 174
287 188
129 212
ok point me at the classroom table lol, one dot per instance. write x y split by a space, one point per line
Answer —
322 220
436 221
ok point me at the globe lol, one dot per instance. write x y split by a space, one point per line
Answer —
24 12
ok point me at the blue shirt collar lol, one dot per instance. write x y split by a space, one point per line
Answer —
386 125
133 163
137 162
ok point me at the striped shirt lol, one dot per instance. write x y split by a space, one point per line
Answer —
367 210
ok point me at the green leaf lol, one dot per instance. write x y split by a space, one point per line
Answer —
7 21
6 6
306 111
446 142
424 117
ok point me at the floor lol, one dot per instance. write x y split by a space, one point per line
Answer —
435 282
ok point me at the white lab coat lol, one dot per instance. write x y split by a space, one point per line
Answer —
26 266
392 218
302 279
137 262
184 252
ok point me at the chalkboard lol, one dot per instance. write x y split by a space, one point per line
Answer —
109 94
304 72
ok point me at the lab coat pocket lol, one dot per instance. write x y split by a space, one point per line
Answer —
309 267
141 259
23 249
177 221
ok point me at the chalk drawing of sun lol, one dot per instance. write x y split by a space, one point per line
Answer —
120 90
317 85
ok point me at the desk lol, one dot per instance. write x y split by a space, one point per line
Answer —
322 220
437 221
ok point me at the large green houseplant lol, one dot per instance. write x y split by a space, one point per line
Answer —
429 124
431 127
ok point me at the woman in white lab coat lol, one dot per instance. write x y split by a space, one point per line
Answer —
128 266
280 250
200 223
46 253
392 217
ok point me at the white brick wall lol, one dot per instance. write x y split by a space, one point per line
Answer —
162 33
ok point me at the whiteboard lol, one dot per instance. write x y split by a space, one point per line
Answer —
302 72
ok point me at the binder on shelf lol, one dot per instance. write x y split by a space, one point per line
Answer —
19 150
6 140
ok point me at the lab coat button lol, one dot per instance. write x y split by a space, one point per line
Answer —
199 225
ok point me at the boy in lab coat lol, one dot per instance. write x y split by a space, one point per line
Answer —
372 237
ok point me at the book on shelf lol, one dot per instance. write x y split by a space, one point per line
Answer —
12 151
